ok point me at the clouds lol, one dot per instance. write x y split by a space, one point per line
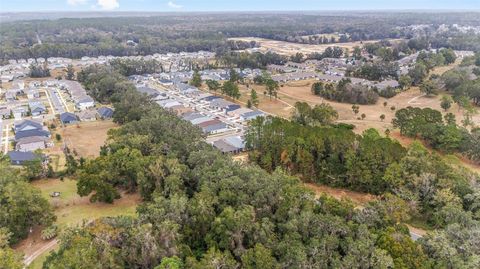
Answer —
173 5
107 4
97 4
76 2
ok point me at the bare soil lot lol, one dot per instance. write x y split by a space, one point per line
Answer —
357 198
86 138
289 48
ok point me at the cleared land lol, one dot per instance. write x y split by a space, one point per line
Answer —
71 210
86 138
357 198
289 48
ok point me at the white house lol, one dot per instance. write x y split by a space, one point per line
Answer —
85 103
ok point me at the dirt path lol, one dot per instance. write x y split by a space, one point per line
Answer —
47 246
414 100
358 198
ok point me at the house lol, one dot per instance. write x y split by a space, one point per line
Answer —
166 82
238 112
87 115
387 84
235 141
31 143
33 94
220 104
27 125
5 113
19 112
200 120
37 108
217 128
68 118
224 147
20 157
7 78
10 96
231 144
31 133
105 113
232 108
251 115
85 102
214 126
148 91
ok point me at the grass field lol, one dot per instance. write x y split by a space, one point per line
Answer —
71 210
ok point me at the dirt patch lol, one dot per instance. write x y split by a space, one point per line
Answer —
86 138
289 48
357 198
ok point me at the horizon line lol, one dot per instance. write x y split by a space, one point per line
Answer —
230 11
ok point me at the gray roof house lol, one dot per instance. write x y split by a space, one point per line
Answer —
20 157
31 143
105 112
85 102
27 125
87 115
68 118
148 91
251 115
37 108
31 133
225 147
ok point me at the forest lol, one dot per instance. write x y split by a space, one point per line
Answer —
124 36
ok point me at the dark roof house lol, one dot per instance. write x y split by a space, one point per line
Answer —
27 125
31 133
20 157
105 112
68 118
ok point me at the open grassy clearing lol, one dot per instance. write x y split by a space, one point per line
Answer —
71 210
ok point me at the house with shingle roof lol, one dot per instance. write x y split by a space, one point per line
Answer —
105 113
68 118
20 157
37 108
31 143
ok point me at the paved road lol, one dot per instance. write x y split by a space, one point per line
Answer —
57 103
63 100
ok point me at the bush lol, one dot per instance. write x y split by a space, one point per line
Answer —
49 232
389 92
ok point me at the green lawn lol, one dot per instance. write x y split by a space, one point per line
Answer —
71 209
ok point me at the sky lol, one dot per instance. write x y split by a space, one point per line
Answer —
232 5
